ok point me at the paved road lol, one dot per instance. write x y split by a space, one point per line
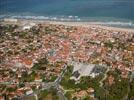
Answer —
57 82
105 76
28 83
46 86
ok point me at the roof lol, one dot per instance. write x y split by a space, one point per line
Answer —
27 62
76 74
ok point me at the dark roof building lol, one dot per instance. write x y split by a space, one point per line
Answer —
76 74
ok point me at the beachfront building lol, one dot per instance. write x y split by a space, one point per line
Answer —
28 26
10 20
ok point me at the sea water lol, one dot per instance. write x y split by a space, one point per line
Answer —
112 12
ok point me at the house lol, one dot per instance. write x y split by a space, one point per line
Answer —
19 75
91 92
27 63
38 79
29 92
111 80
28 26
80 94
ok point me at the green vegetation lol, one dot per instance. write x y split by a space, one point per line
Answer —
116 91
66 82
10 89
48 95
119 90
29 98
85 82
87 98
49 30
28 78
2 87
131 92
7 28
21 85
108 44
116 74
41 65
51 78
68 95
100 93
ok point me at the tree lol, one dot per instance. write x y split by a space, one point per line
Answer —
68 95
108 44
74 98
21 85
119 90
100 94
131 92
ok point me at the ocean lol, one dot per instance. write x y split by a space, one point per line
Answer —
112 12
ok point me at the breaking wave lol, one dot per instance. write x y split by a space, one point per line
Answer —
119 23
54 18
116 23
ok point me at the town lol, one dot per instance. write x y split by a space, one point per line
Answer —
62 62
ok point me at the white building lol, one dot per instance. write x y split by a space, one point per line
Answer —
10 20
29 92
81 69
28 26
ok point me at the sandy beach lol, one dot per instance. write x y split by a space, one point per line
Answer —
82 24
92 24
85 24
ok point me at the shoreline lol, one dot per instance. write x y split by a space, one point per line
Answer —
101 25
93 25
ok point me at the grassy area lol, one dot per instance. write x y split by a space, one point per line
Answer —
48 95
